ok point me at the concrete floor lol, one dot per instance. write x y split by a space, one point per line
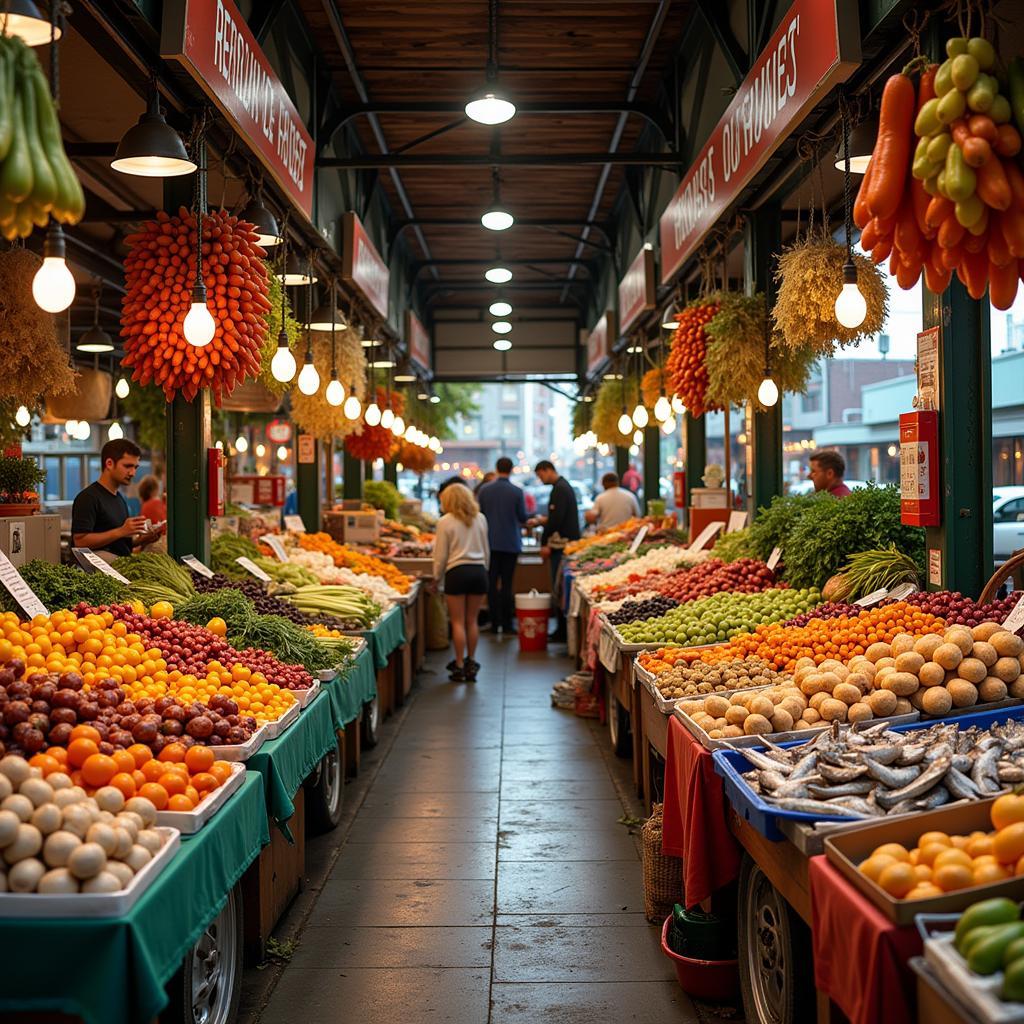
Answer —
481 875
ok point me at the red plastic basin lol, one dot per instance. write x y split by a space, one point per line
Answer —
714 980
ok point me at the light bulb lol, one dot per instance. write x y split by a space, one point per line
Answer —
640 416
53 287
677 405
122 387
199 326
219 446
604 449
501 327
850 305
261 450
634 449
434 399
309 379
114 432
668 427
502 344
662 409
282 366
625 424
411 434
497 220
490 108
84 431
499 275
241 443
372 415
768 392
282 453
23 417
387 418
353 407
500 308
638 437
398 426
335 392
71 428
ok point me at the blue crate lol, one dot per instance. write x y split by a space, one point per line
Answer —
763 816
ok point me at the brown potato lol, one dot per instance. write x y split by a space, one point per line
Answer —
736 715
902 643
859 712
903 684
936 700
1007 669
903 706
917 698
762 706
831 680
833 710
847 693
932 674
991 689
984 630
756 725
1016 687
794 707
882 703
925 645
810 716
964 694
1007 644
813 684
716 706
949 655
731 732
961 636
817 700
972 670
860 680
909 661
877 651
782 720
984 652
884 663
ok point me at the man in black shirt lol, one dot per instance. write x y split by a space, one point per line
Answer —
99 516
562 523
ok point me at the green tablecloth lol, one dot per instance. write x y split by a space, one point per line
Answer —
285 762
388 635
348 693
115 969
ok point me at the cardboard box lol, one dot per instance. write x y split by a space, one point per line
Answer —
360 527
848 850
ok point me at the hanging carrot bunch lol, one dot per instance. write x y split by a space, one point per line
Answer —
159 275
685 365
369 443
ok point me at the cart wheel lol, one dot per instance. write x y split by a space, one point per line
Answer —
325 793
774 953
618 725
371 723
208 987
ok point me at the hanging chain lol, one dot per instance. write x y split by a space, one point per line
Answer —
847 205
334 342
492 40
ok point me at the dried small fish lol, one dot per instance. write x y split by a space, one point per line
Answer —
815 807
835 776
911 755
1010 773
892 778
858 788
959 785
984 774
925 781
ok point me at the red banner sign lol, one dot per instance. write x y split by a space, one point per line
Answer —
211 39
637 288
598 342
362 265
816 46
418 340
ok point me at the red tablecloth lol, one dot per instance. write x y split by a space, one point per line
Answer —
695 826
860 956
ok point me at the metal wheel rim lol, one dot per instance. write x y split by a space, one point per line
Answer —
214 967
372 712
767 949
330 780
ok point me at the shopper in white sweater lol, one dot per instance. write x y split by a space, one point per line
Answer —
461 557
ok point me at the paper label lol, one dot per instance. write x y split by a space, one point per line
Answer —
294 524
737 520
904 590
705 535
19 589
193 563
873 598
935 567
86 556
251 567
275 545
1015 619
638 540
774 558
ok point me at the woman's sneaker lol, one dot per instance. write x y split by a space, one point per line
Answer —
456 674
470 670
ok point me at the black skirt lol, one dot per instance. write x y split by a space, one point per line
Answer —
465 579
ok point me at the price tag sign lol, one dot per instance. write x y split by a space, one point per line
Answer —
737 520
638 540
275 545
873 598
294 524
774 558
251 567
88 557
19 589
196 566
705 535
1015 619
904 590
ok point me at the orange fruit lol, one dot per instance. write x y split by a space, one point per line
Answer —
141 754
155 794
46 763
180 802
125 762
1008 843
898 879
931 851
923 891
1007 809
139 778
88 732
204 782
125 782
953 876
959 842
951 856
152 770
80 749
894 850
193 794
221 771
978 846
199 759
59 754
172 782
173 752
98 770
985 873
934 837
923 872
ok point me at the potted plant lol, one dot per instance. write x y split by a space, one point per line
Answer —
19 479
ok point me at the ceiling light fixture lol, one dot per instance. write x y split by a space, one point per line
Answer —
152 148
850 308
501 327
500 308
22 18
862 142
502 344
434 399
115 431
490 107
282 366
335 393
122 387
23 417
199 326
497 219
241 444
309 378
295 274
53 287
499 275
405 374
264 223
353 407
96 339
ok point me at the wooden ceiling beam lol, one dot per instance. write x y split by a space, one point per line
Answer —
364 162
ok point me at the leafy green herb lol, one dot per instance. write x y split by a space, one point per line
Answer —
64 586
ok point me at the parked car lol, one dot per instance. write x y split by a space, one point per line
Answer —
1007 521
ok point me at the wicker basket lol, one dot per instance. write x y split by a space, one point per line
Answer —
663 879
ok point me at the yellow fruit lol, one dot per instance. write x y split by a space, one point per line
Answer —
952 856
876 864
162 610
217 626
895 850
1007 809
934 837
949 877
1008 843
898 879
978 846
923 872
931 851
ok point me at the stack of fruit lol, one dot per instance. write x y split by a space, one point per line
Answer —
990 937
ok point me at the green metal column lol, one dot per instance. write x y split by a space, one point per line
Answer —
188 439
964 540
621 460
307 484
696 451
763 242
652 464
352 481
391 472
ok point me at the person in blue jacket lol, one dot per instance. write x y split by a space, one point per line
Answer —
504 506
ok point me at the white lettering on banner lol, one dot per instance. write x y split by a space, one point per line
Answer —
698 196
370 269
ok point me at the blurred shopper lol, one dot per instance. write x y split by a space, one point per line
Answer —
461 557
504 507
631 479
561 524
154 504
827 470
613 505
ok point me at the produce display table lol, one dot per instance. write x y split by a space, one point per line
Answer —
115 969
410 616
419 649
349 692
387 636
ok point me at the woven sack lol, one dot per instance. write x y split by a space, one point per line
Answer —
663 884
437 623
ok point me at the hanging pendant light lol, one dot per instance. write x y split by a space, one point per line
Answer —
625 423
372 415
115 431
405 374
295 274
662 409
327 318
22 18
669 426
768 391
490 106
497 218
398 426
501 327
851 309
677 405
22 417
502 344
264 223
199 326
95 339
335 393
353 407
122 388
500 308
423 395
387 417
282 366
435 398
53 287
640 416
498 275
241 444
152 148
309 378
862 143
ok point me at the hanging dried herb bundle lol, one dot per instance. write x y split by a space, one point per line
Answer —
312 413
581 418
736 353
810 276
269 347
608 405
35 363
653 385
369 443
